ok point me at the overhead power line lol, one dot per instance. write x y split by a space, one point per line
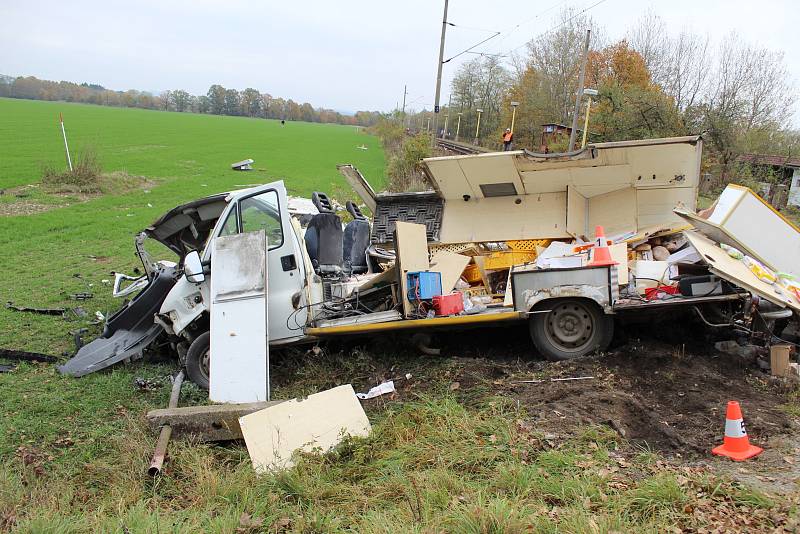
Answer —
574 16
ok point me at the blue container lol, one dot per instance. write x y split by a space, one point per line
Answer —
423 285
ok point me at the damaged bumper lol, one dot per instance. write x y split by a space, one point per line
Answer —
129 331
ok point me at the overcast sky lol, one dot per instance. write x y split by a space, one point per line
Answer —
342 54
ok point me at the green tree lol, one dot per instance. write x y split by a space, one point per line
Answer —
216 99
232 102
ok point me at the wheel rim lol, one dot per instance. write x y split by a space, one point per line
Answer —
570 326
204 363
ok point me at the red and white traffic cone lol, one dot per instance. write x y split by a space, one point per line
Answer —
601 255
736 444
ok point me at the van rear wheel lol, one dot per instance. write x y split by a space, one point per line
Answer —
197 360
570 329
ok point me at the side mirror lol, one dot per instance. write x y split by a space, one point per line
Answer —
193 268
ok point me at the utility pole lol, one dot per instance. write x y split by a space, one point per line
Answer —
478 126
458 126
579 94
439 76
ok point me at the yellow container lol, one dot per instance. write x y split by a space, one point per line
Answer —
504 260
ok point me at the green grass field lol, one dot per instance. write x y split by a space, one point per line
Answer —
73 452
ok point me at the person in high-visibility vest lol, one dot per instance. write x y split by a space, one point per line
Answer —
507 137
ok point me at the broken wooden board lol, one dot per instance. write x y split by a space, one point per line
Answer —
217 422
735 271
317 422
411 245
451 266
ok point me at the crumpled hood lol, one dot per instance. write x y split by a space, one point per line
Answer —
186 227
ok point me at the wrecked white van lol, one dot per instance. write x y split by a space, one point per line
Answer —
467 253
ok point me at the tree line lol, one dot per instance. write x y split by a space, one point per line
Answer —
218 100
650 84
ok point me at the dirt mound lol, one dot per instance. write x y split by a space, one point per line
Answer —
655 396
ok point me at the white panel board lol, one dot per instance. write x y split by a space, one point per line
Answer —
761 230
448 177
577 208
317 422
545 181
502 218
491 169
615 212
593 181
655 206
239 363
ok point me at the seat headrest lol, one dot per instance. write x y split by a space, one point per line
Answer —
355 212
322 202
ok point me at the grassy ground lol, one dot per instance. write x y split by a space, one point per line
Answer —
443 456
51 254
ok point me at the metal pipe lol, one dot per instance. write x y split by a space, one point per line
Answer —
166 430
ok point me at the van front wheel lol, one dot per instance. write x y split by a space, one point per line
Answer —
570 328
197 360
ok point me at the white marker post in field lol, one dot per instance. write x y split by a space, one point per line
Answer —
66 146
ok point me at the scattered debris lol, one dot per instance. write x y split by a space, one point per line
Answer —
244 165
377 391
553 380
10 354
82 296
6 368
317 423
42 311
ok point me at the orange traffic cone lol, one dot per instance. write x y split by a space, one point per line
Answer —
600 252
736 444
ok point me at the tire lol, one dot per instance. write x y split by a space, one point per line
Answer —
573 328
197 360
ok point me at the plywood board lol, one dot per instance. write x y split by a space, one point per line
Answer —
239 363
733 270
411 246
502 218
615 212
577 208
451 266
655 206
317 422
619 253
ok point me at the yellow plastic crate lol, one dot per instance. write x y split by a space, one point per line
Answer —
504 260
527 245
472 274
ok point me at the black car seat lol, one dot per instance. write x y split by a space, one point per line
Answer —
324 237
356 241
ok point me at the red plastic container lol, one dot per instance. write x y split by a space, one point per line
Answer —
448 304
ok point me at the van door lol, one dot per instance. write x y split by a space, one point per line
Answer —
265 208
239 362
